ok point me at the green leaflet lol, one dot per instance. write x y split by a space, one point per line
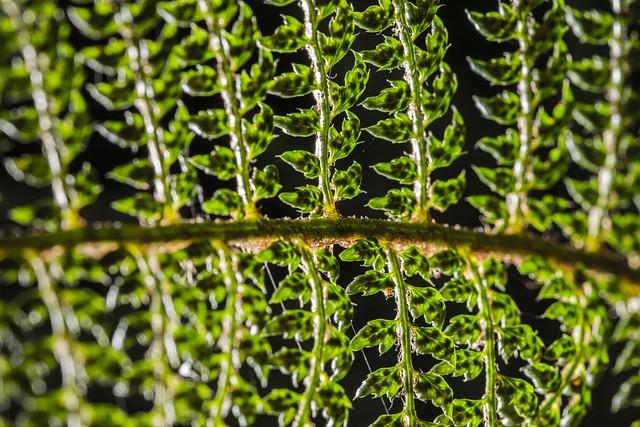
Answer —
327 263
341 144
306 199
459 290
241 37
467 412
399 203
499 180
341 31
303 161
463 329
347 183
413 261
293 320
397 129
503 148
200 82
432 387
376 17
296 83
386 55
384 381
468 363
304 123
545 378
367 251
369 283
378 332
495 26
395 98
402 169
427 302
433 341
224 202
448 261
288 37
519 338
292 287
355 81
592 26
421 15
447 193
259 133
450 148
518 394
137 174
210 124
265 182
503 108
499 71
221 163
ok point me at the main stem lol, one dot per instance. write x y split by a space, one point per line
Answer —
258 234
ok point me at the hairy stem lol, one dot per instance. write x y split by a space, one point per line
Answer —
228 340
53 149
61 342
137 52
486 323
598 223
416 114
517 200
230 98
322 99
404 332
569 371
321 232
157 353
312 381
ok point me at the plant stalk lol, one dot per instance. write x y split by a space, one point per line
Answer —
598 222
258 234
491 404
417 115
53 149
323 103
404 332
230 98
517 200
312 382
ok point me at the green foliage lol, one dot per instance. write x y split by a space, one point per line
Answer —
257 320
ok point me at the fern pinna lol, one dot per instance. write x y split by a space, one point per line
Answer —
172 288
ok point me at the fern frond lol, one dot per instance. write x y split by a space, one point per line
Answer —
211 307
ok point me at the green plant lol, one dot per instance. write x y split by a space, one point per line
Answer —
174 322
